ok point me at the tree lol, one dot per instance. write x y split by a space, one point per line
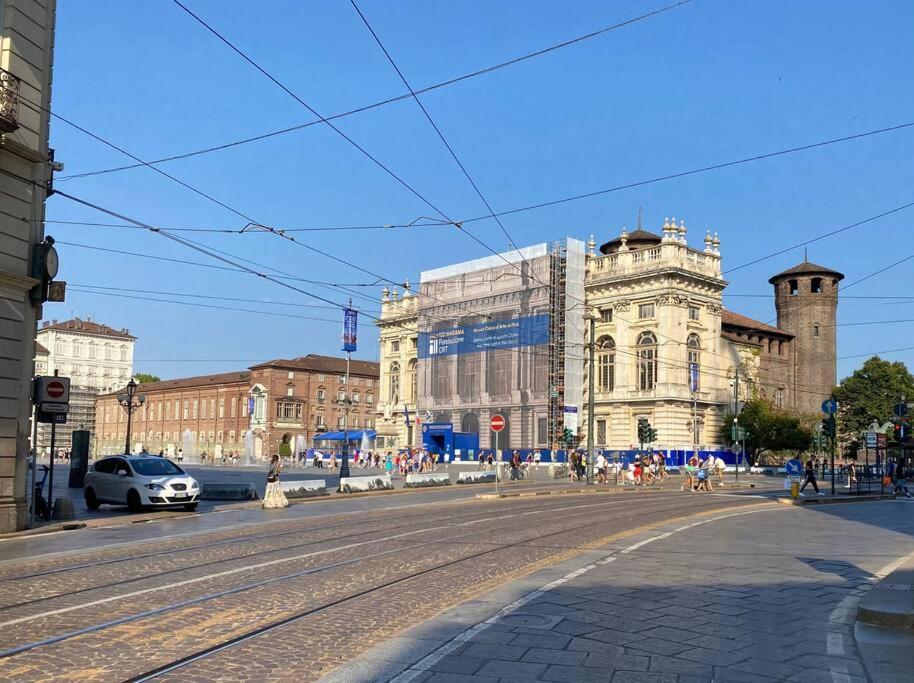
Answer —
146 378
871 394
771 429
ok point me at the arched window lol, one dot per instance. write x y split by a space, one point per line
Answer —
693 344
394 391
412 379
815 330
647 361
606 364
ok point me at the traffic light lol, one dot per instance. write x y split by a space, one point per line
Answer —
642 430
651 435
567 436
829 427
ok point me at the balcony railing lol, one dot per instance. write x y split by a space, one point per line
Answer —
9 102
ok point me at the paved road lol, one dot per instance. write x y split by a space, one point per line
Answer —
295 597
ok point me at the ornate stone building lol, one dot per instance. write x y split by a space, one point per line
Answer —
97 358
665 347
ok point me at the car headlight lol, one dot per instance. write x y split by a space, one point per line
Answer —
195 485
155 487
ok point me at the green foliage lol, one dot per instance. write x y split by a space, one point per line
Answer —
871 394
770 429
146 378
285 449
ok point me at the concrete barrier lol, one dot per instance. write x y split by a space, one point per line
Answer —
430 479
476 477
304 489
378 482
228 491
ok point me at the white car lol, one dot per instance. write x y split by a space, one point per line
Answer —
139 481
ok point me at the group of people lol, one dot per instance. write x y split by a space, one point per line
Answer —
697 473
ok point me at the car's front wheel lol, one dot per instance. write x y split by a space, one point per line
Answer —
190 507
92 500
134 502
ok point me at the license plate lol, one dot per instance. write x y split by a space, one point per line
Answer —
180 495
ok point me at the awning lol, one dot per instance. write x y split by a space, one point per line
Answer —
341 436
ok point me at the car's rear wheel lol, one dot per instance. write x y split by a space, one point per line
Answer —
92 500
134 502
190 507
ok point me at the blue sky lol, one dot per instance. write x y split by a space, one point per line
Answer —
704 83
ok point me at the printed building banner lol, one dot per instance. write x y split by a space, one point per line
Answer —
350 327
498 334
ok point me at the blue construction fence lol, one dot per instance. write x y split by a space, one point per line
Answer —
673 458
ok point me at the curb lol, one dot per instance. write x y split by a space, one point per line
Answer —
865 498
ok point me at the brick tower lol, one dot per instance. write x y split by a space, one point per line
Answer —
806 298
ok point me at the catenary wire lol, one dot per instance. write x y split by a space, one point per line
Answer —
398 98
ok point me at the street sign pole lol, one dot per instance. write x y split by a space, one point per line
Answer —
51 472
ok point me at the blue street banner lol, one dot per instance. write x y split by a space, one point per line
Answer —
250 405
350 329
693 377
530 330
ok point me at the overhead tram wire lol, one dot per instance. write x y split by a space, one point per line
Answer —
242 231
398 98
821 237
201 305
437 130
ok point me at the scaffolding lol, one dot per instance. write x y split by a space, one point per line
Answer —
556 423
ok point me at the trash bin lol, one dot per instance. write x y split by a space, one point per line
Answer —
79 459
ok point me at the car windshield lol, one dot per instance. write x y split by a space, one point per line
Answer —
152 467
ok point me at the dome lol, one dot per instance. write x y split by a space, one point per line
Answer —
636 239
806 268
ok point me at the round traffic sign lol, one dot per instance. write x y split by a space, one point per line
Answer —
829 406
497 423
54 389
793 467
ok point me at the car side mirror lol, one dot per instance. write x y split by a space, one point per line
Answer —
122 473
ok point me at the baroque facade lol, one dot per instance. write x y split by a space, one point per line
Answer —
211 413
665 348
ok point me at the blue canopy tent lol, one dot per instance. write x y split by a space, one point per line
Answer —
342 436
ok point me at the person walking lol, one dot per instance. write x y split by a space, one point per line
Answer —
901 480
810 477
389 463
851 475
515 466
274 497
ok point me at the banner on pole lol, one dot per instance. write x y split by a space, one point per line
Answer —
693 377
350 329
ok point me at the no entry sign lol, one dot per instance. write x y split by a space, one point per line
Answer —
55 389
52 389
497 423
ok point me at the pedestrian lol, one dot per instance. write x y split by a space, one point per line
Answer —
490 462
851 474
388 463
601 468
180 455
482 461
515 466
661 467
901 480
810 477
274 497
720 466
705 468
689 475
332 463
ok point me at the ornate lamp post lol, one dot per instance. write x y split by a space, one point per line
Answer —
130 402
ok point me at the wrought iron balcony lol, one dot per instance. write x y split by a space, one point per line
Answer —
9 102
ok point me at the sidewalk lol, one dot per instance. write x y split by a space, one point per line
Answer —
759 595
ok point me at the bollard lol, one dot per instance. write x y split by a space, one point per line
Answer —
794 489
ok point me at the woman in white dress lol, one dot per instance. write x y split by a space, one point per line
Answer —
274 497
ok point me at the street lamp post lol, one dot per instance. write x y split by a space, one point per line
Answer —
592 319
127 401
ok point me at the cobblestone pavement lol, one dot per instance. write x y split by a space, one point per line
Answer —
320 591
764 594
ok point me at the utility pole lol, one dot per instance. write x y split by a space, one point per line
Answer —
736 420
346 403
592 318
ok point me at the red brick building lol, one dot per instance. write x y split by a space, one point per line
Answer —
290 398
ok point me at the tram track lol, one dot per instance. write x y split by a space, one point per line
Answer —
107 585
195 601
342 601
